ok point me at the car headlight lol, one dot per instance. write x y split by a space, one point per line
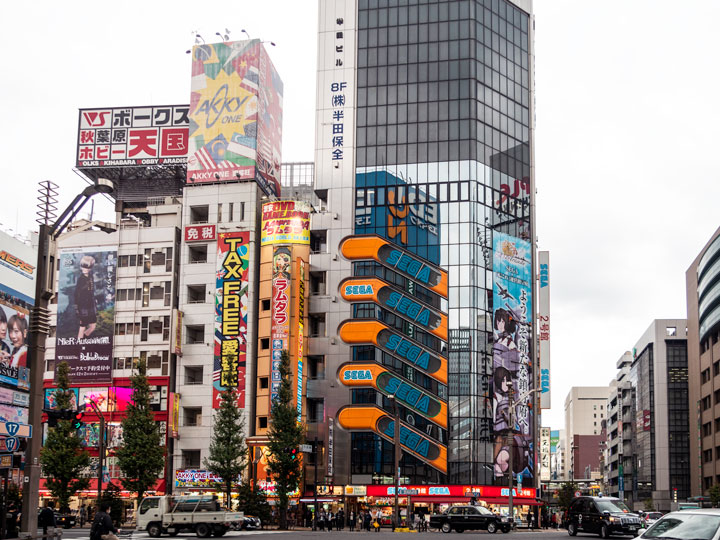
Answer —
613 519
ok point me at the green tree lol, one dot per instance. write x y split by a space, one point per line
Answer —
227 457
141 457
285 434
63 457
253 502
566 494
714 493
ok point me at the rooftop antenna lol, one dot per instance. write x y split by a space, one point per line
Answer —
47 202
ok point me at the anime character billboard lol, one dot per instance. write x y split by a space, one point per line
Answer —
512 360
86 313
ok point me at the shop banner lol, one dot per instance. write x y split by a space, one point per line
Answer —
280 320
285 222
195 478
231 312
177 331
512 361
544 327
174 420
86 312
378 490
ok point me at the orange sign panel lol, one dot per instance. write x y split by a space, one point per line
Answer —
374 419
373 247
359 289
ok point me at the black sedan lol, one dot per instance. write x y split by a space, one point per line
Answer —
466 517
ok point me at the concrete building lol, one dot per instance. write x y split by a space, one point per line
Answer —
620 404
703 334
585 408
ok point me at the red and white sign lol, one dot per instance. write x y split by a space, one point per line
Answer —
133 136
200 233
453 491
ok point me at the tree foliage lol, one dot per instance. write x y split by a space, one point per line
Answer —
112 497
285 434
141 457
566 494
253 502
227 457
63 457
714 493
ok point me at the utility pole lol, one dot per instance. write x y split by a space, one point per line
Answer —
398 450
317 458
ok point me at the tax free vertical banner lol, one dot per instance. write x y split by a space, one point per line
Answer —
299 353
231 312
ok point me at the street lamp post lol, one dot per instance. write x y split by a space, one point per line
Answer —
101 445
396 461
39 329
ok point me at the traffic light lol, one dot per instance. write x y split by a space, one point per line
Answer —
77 419
53 416
293 452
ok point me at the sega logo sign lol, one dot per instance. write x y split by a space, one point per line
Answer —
357 375
358 290
544 380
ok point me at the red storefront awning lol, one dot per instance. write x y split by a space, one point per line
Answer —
516 502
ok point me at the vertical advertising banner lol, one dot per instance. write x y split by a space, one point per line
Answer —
174 409
544 327
86 312
280 322
231 312
512 360
300 314
544 454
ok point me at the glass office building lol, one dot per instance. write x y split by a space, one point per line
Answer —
436 157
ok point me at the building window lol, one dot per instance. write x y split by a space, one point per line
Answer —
264 384
316 367
317 325
316 410
318 283
671 331
266 305
196 294
707 456
231 211
199 214
192 416
191 459
318 241
705 403
197 254
195 334
265 344
193 375
262 422
219 217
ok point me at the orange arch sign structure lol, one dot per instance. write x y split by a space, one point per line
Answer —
373 247
355 418
361 289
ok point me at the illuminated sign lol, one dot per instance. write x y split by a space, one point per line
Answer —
231 308
300 337
543 331
380 490
380 292
285 222
373 247
412 396
358 332
416 443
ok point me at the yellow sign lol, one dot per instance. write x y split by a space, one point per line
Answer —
285 222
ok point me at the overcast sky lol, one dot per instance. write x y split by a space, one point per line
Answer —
626 137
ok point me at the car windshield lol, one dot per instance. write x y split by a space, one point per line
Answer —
679 526
654 515
612 506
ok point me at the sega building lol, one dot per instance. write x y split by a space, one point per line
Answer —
424 167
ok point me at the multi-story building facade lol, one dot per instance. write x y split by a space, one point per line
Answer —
703 358
585 408
620 403
647 439
424 139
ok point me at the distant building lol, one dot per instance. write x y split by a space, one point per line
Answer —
619 405
584 412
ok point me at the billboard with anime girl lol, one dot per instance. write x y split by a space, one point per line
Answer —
512 359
